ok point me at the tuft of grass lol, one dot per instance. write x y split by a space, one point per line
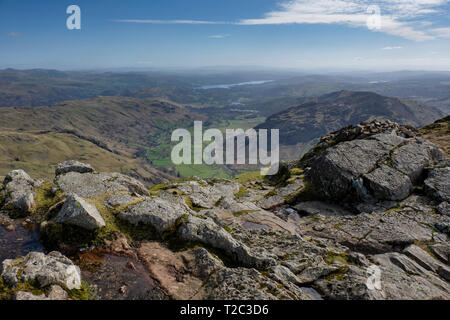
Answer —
44 200
243 191
84 293
240 213
251 176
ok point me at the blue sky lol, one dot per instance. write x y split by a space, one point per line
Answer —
294 34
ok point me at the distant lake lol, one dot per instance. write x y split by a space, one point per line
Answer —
228 86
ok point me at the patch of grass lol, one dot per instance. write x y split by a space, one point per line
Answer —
240 213
218 202
191 205
334 257
270 194
251 176
243 191
44 200
339 275
296 172
84 293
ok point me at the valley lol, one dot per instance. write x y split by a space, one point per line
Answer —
128 117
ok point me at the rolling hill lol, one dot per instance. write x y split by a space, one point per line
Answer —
115 132
40 152
301 125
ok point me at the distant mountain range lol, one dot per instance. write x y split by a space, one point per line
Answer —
301 125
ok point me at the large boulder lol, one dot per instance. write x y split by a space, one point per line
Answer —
53 268
382 167
17 192
76 211
73 166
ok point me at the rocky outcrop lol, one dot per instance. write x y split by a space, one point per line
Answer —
78 212
380 167
17 192
53 268
72 166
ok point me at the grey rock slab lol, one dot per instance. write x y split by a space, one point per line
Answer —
386 183
88 185
78 212
437 184
160 212
53 268
18 191
413 158
207 232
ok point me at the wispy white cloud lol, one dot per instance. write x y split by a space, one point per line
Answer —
149 21
392 48
442 32
403 18
409 19
219 36
14 34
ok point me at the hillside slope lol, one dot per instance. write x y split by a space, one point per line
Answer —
40 152
301 125
124 125
439 133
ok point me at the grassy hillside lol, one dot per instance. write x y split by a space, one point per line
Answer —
439 133
121 124
128 134
38 153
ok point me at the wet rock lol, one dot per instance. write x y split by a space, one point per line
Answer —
78 212
181 274
72 166
161 212
437 184
53 268
17 193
